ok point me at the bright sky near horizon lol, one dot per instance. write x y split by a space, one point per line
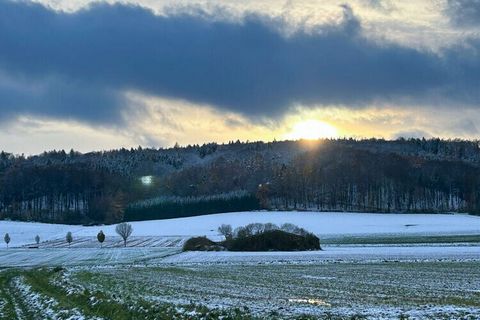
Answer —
110 74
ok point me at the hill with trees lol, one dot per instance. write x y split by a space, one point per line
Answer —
374 175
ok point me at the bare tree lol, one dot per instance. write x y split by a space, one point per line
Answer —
226 230
291 228
124 230
241 232
69 238
270 226
101 237
7 239
37 239
255 228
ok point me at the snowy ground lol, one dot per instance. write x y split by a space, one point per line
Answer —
378 237
173 255
335 254
325 224
385 290
373 266
373 290
82 256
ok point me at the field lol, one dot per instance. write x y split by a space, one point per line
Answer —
372 290
328 225
372 267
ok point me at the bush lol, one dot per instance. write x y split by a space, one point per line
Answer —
274 240
258 237
57 269
201 244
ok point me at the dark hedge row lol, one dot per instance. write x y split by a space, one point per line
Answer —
189 207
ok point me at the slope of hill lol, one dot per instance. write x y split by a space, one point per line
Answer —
326 175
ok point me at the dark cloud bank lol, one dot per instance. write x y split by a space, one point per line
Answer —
76 65
464 12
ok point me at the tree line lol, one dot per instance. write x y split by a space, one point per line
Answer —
61 193
415 175
166 207
346 179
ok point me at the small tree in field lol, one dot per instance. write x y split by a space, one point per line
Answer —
7 239
101 237
124 230
37 239
69 238
226 230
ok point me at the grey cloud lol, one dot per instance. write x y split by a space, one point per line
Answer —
464 12
78 65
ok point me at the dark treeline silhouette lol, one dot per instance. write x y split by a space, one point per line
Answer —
356 180
415 175
61 193
174 207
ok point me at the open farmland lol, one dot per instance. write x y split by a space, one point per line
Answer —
344 236
381 290
173 255
330 226
372 267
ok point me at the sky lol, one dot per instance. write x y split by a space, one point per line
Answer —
110 74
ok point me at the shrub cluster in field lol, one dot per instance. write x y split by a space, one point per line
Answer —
202 244
258 237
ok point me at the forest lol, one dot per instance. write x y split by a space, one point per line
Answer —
374 175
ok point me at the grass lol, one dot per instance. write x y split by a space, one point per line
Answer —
264 290
103 303
7 310
401 239
435 290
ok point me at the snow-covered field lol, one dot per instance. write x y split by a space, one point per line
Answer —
83 256
334 254
324 224
152 278
160 241
171 255
382 290
374 290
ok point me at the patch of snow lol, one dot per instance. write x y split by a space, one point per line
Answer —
42 306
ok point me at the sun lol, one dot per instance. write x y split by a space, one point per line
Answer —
312 130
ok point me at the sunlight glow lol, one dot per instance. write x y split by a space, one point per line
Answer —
146 180
311 130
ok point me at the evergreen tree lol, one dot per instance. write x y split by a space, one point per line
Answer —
69 238
101 237
7 239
